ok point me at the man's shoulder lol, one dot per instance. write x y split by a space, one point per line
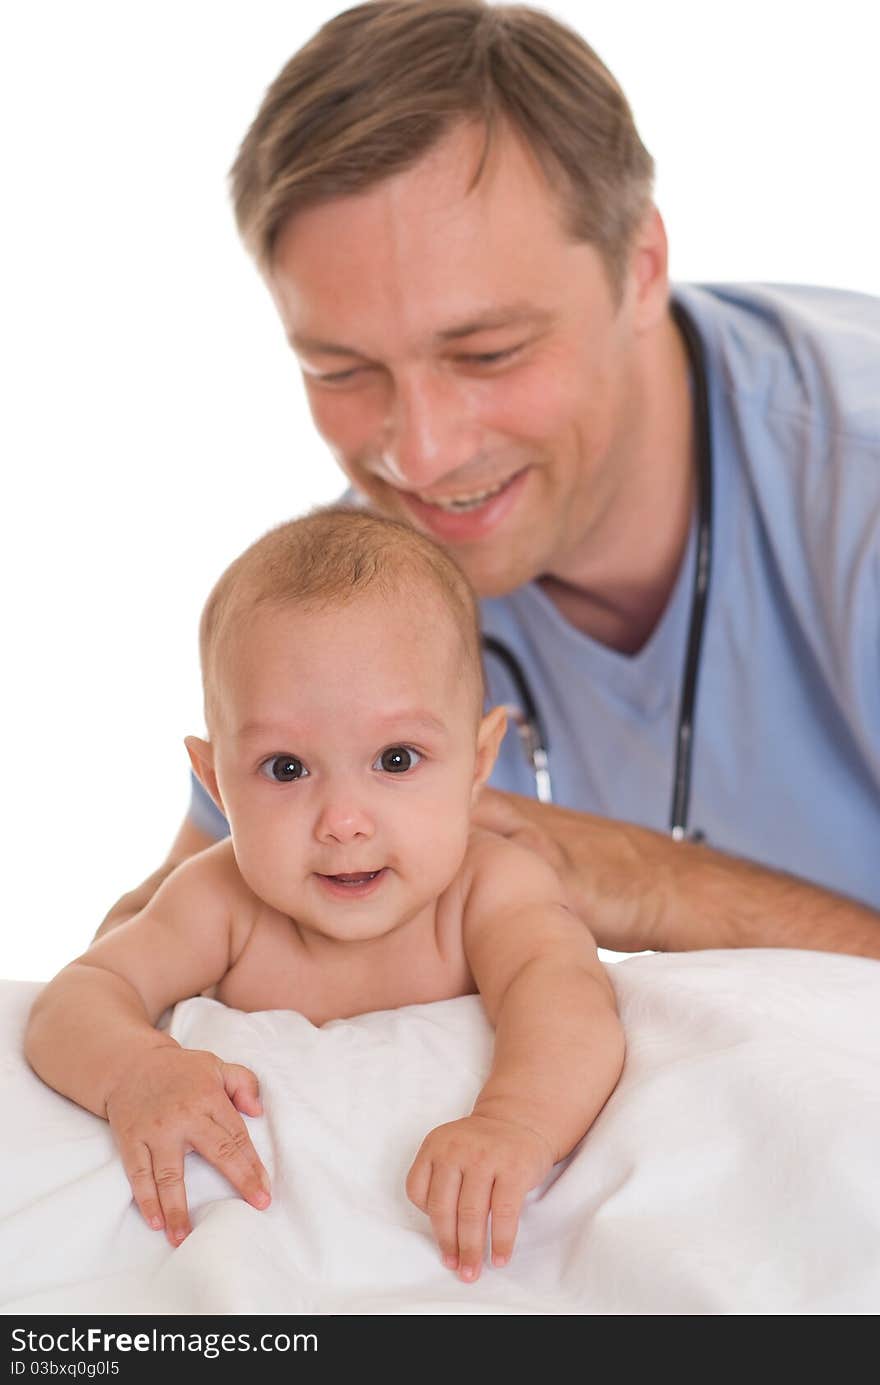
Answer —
798 350
814 310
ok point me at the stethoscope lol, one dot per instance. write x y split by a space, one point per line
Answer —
524 712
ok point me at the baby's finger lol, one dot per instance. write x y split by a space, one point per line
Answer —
473 1214
441 1205
224 1141
168 1176
506 1204
242 1088
418 1181
138 1167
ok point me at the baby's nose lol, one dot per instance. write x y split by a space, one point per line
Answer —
343 819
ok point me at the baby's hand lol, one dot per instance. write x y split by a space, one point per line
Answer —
173 1100
467 1169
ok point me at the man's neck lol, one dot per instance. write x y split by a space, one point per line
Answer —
617 589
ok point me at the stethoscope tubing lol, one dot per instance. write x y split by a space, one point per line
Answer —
684 736
527 719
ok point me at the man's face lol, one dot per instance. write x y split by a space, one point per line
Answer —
466 361
348 749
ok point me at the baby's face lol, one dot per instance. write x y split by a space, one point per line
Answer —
346 756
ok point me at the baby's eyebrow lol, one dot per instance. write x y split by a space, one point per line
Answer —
259 730
404 720
408 719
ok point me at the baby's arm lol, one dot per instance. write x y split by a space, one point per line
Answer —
92 1036
559 1051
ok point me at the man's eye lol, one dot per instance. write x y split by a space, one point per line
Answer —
283 769
341 377
397 759
490 358
337 377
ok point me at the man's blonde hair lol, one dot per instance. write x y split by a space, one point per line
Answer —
328 558
378 85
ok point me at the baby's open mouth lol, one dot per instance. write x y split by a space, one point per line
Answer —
361 878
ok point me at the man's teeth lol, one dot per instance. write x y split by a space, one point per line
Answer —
465 502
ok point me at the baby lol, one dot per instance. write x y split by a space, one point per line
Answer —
347 745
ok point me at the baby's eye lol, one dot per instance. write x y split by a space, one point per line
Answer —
283 769
397 759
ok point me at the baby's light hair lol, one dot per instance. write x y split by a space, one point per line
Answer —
329 557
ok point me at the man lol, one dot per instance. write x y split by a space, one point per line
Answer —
452 210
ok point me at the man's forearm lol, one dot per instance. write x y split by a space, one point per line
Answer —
680 896
84 1030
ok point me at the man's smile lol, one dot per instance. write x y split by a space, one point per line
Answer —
468 514
466 500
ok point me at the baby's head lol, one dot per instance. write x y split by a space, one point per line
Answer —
325 563
343 699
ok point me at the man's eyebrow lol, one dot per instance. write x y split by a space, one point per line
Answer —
513 315
316 346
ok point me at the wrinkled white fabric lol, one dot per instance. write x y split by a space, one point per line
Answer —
733 1171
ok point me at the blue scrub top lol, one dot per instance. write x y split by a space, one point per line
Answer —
786 758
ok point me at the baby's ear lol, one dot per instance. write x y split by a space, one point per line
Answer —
489 737
201 754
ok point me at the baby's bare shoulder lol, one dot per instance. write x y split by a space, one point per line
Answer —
516 913
214 869
496 867
212 881
490 851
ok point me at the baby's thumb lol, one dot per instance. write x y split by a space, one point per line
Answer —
243 1089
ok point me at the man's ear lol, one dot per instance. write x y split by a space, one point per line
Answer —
490 734
649 272
201 754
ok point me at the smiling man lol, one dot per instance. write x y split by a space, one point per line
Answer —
668 499
477 374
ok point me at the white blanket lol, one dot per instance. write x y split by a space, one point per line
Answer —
733 1171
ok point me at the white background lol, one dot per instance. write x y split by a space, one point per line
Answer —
152 419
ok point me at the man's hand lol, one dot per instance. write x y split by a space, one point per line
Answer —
173 1100
610 878
640 891
524 820
468 1169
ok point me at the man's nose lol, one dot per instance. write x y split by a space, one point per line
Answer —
429 432
343 818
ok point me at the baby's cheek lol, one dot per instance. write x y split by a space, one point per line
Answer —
266 857
438 844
